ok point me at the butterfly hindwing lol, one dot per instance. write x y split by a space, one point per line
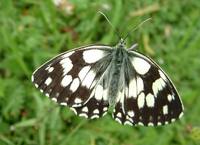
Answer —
72 77
97 104
149 97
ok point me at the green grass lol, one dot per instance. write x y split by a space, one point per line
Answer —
31 32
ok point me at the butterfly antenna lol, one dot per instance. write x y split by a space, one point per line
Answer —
135 28
116 30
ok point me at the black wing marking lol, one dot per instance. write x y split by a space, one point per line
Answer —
149 97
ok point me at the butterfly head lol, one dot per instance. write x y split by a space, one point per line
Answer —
121 43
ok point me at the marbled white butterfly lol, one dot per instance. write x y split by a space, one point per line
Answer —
92 78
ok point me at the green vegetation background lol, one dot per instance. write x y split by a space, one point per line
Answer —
31 32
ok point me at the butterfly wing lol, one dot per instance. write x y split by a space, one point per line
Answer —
72 78
148 96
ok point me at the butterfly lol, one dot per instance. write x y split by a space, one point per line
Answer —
94 78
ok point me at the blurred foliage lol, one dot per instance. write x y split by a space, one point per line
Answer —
32 32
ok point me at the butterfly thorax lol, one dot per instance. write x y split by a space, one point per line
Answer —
118 56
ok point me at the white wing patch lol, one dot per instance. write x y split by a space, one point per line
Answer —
66 80
158 85
141 100
169 97
140 85
133 91
150 100
96 111
99 92
131 113
67 65
85 109
50 69
77 100
93 55
162 75
48 81
74 85
89 79
141 66
83 72
165 109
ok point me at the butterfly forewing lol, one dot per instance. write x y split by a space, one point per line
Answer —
150 99
73 77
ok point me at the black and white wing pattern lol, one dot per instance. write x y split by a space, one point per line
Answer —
90 79
76 79
147 96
